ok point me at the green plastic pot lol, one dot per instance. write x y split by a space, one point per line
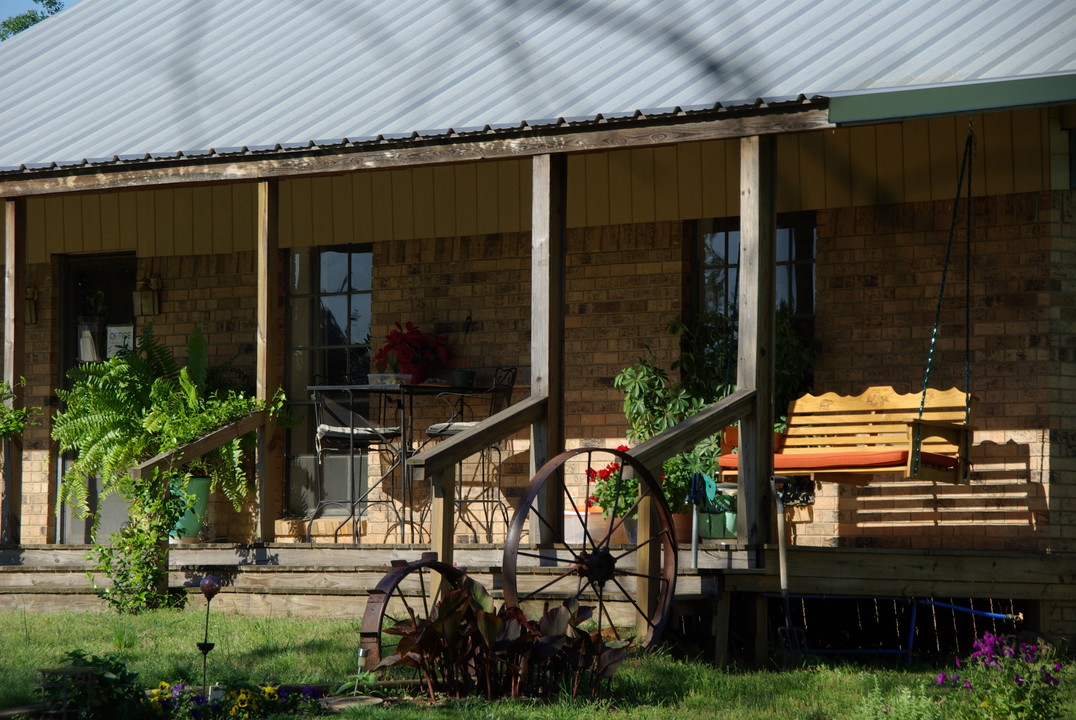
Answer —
190 523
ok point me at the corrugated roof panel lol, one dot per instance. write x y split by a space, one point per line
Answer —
123 77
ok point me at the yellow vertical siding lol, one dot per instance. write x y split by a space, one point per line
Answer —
577 201
597 188
362 193
164 226
689 180
642 185
890 164
488 198
465 182
444 201
320 214
879 164
510 204
788 173
422 202
620 180
714 190
946 146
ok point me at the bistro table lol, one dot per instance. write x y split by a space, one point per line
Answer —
403 396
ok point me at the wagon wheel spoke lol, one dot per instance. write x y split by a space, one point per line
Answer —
631 599
587 547
657 537
552 582
393 596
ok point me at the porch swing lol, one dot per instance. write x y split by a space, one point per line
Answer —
850 438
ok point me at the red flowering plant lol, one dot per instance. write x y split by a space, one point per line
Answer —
615 495
409 350
607 490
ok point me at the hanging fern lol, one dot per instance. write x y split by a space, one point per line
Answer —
138 404
102 419
128 409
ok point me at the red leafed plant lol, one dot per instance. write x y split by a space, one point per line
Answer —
409 350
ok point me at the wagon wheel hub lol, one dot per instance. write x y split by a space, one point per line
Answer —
599 566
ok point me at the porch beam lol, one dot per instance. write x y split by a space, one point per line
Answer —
269 481
14 294
413 154
755 358
548 231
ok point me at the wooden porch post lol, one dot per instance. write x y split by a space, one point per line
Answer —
548 231
268 376
758 227
14 284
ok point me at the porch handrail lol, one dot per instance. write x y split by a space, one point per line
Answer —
447 453
685 434
205 444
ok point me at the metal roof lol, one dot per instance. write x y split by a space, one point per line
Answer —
113 81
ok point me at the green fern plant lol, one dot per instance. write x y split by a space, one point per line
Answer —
133 407
102 420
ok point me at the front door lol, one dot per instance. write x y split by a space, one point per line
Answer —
96 320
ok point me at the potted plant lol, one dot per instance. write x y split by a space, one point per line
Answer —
410 351
126 410
653 404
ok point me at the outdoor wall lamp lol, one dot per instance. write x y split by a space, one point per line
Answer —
30 314
147 296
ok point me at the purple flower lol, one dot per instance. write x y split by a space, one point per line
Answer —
967 685
956 661
942 677
1019 680
1057 667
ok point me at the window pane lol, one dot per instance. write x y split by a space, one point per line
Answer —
334 320
358 364
784 284
732 288
301 322
334 368
300 374
362 271
734 247
713 287
359 324
784 245
334 272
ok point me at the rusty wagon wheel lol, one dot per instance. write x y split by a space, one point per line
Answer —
589 558
409 588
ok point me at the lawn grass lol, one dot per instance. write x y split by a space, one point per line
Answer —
160 645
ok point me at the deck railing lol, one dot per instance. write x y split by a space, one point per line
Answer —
205 444
438 463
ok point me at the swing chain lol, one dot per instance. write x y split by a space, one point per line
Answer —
965 174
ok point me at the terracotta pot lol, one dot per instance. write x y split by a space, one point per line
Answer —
682 528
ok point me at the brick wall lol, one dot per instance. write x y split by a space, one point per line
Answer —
624 287
215 292
41 360
879 272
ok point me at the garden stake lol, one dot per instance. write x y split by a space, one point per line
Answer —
209 587
793 639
